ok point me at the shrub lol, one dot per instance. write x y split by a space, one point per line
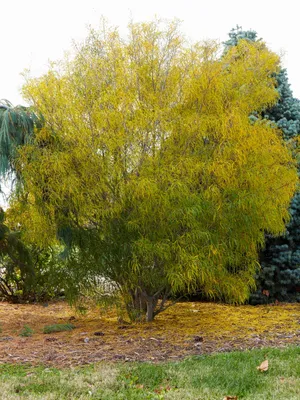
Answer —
26 331
58 328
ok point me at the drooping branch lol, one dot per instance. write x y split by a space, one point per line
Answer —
17 126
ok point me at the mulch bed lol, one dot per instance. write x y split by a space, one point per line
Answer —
183 330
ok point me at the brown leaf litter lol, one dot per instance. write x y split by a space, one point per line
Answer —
184 329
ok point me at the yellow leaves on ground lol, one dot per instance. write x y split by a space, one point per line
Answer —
176 333
264 366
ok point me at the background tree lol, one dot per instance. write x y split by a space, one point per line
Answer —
148 168
15 262
16 129
26 272
279 278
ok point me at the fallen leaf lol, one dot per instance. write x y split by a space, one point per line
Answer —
264 366
230 398
139 386
162 389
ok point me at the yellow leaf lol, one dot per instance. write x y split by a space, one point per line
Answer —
264 366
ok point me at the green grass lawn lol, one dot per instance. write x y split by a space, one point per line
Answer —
205 377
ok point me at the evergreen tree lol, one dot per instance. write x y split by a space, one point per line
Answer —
16 129
286 113
237 34
279 278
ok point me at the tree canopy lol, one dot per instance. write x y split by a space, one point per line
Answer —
148 168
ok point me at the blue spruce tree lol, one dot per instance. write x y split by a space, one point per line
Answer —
279 277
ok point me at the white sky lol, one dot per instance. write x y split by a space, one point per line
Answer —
35 31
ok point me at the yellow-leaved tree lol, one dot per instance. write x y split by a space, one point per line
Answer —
148 168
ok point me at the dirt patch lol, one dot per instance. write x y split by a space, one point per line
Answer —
185 329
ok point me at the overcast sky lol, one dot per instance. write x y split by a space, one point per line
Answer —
36 31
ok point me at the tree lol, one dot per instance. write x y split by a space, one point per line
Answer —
148 168
16 128
279 277
237 34
27 273
286 112
17 272
15 262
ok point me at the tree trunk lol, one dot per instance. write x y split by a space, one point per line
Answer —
142 306
137 306
150 310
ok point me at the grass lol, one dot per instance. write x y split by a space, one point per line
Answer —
203 377
26 331
58 328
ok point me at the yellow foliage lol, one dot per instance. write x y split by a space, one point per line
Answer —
155 134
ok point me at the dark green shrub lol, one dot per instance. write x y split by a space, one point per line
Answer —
58 328
26 331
